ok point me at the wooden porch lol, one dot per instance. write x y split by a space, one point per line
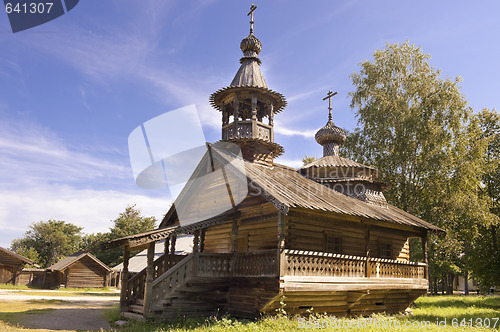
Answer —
247 284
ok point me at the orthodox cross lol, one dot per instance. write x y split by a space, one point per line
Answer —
250 13
329 97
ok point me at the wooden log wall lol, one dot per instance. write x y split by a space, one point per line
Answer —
85 273
307 231
257 229
8 273
346 303
247 296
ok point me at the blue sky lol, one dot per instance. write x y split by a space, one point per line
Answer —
72 90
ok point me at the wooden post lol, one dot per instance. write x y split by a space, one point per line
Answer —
234 236
255 131
424 254
281 230
367 252
124 281
236 114
172 244
150 271
281 243
166 246
196 241
202 240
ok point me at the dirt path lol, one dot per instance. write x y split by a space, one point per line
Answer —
64 312
66 319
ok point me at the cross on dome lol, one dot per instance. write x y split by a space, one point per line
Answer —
329 97
250 13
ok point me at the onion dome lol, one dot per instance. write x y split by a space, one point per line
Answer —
251 47
330 136
330 133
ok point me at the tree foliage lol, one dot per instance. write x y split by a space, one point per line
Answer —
307 160
52 240
416 128
128 223
486 253
47 242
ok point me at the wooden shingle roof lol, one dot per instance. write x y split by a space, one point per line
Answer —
8 257
286 188
68 261
335 161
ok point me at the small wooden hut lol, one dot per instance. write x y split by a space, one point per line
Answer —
321 237
81 270
11 265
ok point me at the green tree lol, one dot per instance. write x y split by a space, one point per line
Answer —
486 263
416 127
307 160
129 222
29 253
52 240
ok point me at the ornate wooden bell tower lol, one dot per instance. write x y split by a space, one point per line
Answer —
246 102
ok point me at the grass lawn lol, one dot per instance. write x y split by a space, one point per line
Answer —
106 291
447 311
87 289
68 294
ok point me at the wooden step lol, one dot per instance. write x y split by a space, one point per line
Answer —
139 301
132 315
139 309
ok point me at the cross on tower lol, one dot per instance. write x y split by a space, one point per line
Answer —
250 13
329 97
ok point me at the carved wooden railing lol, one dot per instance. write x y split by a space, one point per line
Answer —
255 264
310 263
177 276
136 284
244 129
163 265
177 270
213 265
388 268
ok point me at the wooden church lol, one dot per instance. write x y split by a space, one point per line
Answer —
320 238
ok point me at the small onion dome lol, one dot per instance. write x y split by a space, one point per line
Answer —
251 46
330 133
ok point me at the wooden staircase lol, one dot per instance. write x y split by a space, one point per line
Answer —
196 285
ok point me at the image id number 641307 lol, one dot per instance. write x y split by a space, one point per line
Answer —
29 8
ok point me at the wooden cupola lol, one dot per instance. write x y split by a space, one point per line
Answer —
343 175
247 102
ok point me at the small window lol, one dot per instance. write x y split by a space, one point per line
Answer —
333 244
386 250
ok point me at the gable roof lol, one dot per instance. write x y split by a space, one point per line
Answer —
66 262
335 161
292 190
8 257
285 188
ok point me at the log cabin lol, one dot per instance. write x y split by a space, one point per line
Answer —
80 270
267 236
11 265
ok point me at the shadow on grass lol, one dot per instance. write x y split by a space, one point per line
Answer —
475 311
491 302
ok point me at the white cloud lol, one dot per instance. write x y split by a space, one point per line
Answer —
307 133
306 94
31 154
44 178
295 163
91 209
